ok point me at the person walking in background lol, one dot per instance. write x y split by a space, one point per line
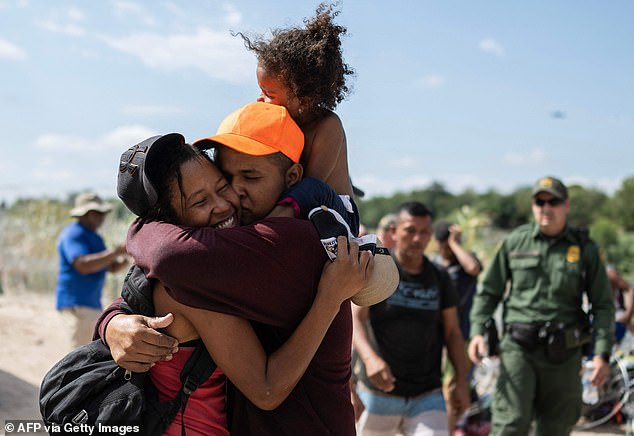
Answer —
543 268
83 263
400 340
623 293
463 268
385 230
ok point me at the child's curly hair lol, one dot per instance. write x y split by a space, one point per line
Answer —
308 60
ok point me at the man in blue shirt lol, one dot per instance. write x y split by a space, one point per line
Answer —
84 260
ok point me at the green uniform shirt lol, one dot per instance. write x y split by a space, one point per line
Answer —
545 283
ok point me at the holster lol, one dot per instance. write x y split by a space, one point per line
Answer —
554 337
524 334
557 339
491 337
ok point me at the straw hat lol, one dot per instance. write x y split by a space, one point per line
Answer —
88 201
383 281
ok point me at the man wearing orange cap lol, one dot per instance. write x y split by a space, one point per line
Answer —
259 177
264 162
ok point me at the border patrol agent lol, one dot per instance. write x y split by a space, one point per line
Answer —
548 266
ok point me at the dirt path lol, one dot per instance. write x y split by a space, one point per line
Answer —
33 340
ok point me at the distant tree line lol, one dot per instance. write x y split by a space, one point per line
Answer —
609 218
507 211
29 227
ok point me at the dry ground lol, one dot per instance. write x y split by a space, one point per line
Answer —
33 340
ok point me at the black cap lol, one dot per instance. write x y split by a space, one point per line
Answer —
134 185
441 230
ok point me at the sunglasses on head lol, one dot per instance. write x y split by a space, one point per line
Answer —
553 202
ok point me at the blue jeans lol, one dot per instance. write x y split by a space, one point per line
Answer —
387 414
619 331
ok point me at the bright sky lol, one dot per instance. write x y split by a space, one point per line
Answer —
472 94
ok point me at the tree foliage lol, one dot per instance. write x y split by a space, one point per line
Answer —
609 218
623 204
587 205
29 227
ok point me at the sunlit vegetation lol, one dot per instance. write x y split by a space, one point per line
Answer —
29 227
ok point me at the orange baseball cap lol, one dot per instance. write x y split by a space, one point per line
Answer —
259 129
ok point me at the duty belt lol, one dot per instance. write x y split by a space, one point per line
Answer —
530 335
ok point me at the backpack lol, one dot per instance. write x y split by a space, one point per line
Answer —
87 387
585 319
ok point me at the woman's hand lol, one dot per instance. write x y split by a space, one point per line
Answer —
347 274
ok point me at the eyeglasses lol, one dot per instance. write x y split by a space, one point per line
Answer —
553 202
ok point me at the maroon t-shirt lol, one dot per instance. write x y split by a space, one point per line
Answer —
267 273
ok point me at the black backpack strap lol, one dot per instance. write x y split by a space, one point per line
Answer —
198 368
137 296
137 292
583 236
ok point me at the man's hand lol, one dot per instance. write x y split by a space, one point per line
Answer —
461 398
120 250
477 349
601 371
357 404
347 274
455 234
135 344
379 373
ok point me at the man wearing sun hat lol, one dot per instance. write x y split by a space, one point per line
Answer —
83 263
259 146
545 267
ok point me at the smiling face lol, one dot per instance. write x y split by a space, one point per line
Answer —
551 218
202 197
